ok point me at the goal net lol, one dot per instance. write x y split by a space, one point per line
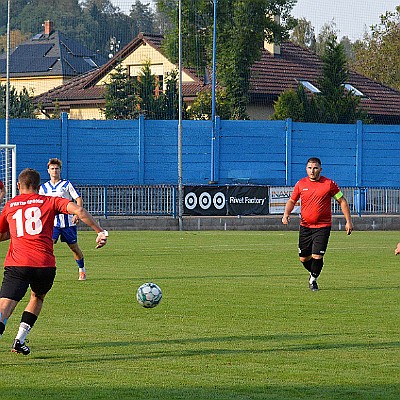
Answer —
8 167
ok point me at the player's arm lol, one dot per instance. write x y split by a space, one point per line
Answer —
288 209
344 205
4 236
87 218
2 193
4 229
79 202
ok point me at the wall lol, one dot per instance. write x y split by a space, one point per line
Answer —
257 152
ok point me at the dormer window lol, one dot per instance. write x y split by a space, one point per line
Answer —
308 85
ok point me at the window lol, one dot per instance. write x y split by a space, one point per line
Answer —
351 88
90 62
310 86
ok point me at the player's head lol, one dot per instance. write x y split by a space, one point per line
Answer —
54 169
54 161
314 160
29 179
313 168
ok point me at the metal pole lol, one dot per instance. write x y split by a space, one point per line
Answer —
8 76
180 187
213 94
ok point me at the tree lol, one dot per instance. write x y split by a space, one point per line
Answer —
121 96
334 104
201 107
21 105
142 16
241 28
328 32
128 97
377 56
303 34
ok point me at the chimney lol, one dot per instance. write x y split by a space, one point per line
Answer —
273 48
48 27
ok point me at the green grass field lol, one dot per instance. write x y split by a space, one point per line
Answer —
237 321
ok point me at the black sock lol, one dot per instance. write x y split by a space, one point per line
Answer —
29 318
2 327
307 264
316 266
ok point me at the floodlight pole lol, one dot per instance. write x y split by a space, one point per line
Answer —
213 96
180 186
8 77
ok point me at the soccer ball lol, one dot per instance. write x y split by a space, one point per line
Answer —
149 295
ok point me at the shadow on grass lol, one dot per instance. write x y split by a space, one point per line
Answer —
235 392
228 345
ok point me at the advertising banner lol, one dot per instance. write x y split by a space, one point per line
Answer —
225 200
278 197
247 200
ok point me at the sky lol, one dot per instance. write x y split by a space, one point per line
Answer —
352 17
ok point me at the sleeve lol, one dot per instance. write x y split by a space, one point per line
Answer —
72 191
60 204
295 196
335 190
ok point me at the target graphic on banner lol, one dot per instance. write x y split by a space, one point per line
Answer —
205 200
219 201
191 201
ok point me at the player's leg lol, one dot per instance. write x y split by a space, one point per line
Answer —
12 290
69 235
320 243
41 282
305 247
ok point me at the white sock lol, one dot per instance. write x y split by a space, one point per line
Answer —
23 330
312 279
82 269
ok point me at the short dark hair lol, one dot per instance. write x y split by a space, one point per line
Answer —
54 161
315 160
29 178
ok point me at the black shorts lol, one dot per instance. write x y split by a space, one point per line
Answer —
313 240
17 280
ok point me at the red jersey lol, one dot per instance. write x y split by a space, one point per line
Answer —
315 196
30 219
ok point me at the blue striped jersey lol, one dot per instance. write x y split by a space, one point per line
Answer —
63 188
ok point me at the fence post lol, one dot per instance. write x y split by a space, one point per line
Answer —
214 175
359 159
359 152
64 143
105 202
141 171
288 160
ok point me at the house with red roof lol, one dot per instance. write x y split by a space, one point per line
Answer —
280 67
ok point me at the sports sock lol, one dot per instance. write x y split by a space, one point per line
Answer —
27 321
2 328
81 264
23 330
316 267
307 264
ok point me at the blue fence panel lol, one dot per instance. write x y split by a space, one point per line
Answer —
108 152
252 152
145 152
335 145
381 161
